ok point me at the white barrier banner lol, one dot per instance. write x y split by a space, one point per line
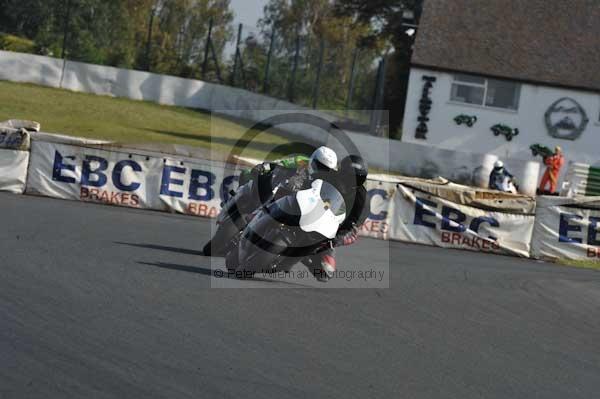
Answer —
13 170
196 188
567 229
94 175
420 217
379 197
129 179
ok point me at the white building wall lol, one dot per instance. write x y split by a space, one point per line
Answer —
529 119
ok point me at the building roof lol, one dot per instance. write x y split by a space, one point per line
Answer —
554 42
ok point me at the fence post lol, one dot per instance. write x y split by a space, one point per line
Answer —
352 80
237 56
268 66
149 40
242 71
216 61
294 68
66 29
207 48
318 78
376 114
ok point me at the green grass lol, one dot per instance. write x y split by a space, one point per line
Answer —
126 121
583 264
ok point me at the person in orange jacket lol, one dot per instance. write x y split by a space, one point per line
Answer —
554 164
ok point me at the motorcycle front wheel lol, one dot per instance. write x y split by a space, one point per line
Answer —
217 246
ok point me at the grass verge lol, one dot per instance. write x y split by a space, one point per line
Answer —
582 264
126 121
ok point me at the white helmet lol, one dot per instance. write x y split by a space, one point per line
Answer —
499 165
324 159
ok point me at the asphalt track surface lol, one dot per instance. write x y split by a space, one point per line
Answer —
105 302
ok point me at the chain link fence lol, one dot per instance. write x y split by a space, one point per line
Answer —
308 71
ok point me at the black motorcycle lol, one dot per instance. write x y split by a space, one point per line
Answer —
296 225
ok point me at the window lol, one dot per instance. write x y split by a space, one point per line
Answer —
485 92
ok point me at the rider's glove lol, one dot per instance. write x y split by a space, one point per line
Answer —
347 238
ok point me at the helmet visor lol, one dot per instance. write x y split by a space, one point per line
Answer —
318 167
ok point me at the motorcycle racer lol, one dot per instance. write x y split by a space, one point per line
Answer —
500 178
256 186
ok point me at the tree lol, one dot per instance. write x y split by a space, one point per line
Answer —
115 32
312 24
24 16
180 39
99 33
385 18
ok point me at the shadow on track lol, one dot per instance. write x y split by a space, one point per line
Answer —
182 268
217 273
162 248
200 270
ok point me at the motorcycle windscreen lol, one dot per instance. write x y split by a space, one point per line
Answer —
322 209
